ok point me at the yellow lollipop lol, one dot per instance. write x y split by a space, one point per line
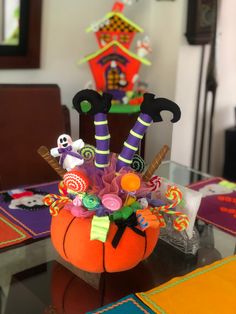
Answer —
130 182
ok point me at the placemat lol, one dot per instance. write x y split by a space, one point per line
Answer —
11 234
210 289
25 208
129 304
218 205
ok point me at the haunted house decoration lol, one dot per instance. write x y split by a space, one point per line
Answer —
114 67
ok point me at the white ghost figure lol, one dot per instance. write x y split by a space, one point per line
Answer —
143 47
127 2
215 189
27 201
68 152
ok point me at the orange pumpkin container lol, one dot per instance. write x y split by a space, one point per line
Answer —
103 221
71 238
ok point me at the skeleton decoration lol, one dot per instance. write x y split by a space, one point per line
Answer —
100 104
68 152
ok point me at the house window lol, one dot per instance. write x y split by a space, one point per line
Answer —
124 38
105 38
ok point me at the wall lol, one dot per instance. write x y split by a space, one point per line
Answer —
187 84
226 94
64 41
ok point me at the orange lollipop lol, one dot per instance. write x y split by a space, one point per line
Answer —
130 182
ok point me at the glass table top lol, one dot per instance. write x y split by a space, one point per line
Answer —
34 279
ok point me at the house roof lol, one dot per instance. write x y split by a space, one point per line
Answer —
117 21
114 43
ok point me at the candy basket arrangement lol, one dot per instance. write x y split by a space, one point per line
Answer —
110 207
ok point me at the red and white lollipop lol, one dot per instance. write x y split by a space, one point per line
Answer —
76 181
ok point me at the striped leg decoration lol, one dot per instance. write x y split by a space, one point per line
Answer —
132 143
100 106
102 137
151 108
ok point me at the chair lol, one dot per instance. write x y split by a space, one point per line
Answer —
30 116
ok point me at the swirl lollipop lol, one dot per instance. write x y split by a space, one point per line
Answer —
111 201
138 163
154 183
76 181
91 201
173 194
88 152
181 223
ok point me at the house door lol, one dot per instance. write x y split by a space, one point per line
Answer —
113 78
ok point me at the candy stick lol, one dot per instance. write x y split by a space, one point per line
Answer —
150 112
56 202
180 223
44 152
155 163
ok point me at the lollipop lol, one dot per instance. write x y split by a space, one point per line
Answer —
111 201
88 152
130 182
76 181
91 201
138 163
154 183
173 194
181 223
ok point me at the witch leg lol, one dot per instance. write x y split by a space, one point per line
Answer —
100 105
150 111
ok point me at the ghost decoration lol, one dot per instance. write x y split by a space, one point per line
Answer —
215 189
26 200
68 152
143 47
127 2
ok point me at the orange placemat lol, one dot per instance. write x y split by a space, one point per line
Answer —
210 289
10 233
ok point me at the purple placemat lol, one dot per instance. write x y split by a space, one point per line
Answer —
218 205
25 208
